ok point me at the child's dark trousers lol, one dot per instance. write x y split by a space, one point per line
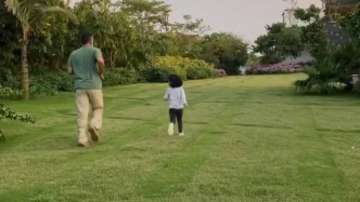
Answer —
176 116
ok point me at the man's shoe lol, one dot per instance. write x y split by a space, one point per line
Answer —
94 134
171 129
181 134
83 144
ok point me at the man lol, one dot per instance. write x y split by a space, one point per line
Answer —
87 64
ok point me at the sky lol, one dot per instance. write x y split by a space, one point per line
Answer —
245 18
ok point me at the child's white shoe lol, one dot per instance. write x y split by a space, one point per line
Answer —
171 129
181 134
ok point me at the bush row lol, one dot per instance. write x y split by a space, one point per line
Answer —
186 68
52 82
277 68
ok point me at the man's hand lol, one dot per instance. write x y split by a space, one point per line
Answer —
102 77
70 69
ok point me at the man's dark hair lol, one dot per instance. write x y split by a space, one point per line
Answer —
86 37
175 81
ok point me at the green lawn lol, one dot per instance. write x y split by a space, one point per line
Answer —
247 139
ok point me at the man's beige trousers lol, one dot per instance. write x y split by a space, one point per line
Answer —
90 107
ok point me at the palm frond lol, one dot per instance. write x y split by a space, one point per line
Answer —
57 9
12 5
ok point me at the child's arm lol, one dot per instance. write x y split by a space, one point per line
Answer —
166 96
183 95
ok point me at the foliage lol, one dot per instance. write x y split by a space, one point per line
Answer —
9 36
186 68
335 65
220 73
224 50
8 92
121 76
51 82
7 113
8 77
309 15
322 78
334 71
200 72
111 29
132 34
280 42
276 68
314 36
253 59
352 24
29 13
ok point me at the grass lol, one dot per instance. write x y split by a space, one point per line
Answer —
247 139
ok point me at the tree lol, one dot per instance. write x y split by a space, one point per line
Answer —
280 42
351 23
29 13
8 37
226 51
149 18
335 62
191 26
313 32
130 32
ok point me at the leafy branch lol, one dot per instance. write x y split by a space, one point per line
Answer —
7 113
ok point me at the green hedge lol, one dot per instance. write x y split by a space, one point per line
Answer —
45 82
121 76
50 83
186 68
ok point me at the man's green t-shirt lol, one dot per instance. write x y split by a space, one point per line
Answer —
84 66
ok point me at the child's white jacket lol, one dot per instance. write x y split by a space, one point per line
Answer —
176 98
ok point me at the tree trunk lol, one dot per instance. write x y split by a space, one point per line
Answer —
67 3
24 65
111 59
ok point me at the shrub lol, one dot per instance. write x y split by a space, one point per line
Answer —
277 68
186 68
333 72
8 78
50 83
323 78
121 76
7 113
154 74
220 72
199 69
7 92
171 65
199 72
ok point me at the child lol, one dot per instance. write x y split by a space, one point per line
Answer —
175 95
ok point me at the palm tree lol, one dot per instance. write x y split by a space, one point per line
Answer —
29 12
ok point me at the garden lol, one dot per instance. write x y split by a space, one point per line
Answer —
287 130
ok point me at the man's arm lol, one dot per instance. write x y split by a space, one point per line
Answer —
101 64
166 95
69 66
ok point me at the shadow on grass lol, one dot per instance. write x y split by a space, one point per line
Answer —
250 125
338 130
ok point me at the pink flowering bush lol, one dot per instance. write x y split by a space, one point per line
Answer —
220 72
277 68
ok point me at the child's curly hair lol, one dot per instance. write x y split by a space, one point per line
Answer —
175 81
